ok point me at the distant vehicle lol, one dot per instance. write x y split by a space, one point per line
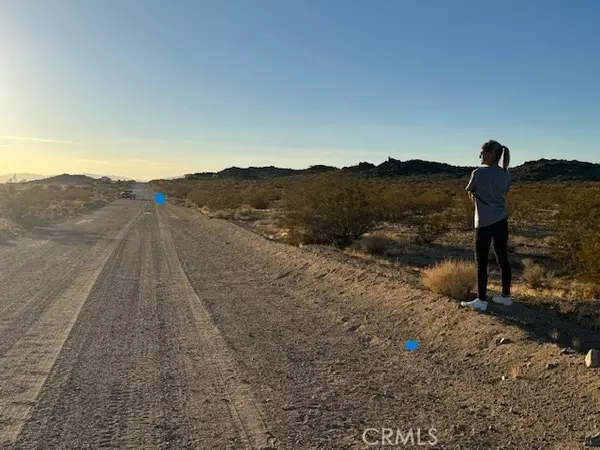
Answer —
128 193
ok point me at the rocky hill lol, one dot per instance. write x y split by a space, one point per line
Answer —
557 170
541 170
66 178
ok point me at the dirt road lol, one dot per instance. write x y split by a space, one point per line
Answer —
145 326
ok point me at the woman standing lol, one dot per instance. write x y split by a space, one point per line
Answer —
488 188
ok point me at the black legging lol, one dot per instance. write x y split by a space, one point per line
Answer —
498 233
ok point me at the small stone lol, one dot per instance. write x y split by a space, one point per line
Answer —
567 351
592 359
503 341
551 366
503 378
353 327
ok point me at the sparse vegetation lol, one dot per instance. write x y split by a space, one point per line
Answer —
430 228
26 205
579 236
453 278
332 208
376 244
557 222
533 274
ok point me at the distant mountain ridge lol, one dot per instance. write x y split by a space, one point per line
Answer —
26 177
112 177
557 170
540 170
66 178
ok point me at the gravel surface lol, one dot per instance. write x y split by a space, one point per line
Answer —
155 327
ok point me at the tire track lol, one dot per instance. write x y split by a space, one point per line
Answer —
245 414
28 279
25 366
135 372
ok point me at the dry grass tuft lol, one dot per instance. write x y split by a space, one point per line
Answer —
534 274
515 373
453 278
376 244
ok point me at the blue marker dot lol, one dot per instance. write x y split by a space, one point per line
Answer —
411 346
160 198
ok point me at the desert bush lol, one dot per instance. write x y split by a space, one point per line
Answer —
77 194
23 205
198 196
394 200
259 199
224 199
533 274
578 243
375 244
453 278
432 201
176 188
332 208
399 200
430 228
296 236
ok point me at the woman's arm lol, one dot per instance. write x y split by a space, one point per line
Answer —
472 184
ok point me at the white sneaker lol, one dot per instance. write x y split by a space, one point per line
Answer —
505 301
480 305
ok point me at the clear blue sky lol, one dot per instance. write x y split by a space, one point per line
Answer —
152 88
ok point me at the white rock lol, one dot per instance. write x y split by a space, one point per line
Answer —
592 359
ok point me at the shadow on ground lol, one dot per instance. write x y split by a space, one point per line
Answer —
578 329
577 326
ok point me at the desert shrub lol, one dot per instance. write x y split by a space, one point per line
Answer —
432 201
430 228
453 278
375 244
332 208
259 199
578 243
198 196
176 188
77 194
224 199
394 200
296 236
533 274
400 200
24 205
586 259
